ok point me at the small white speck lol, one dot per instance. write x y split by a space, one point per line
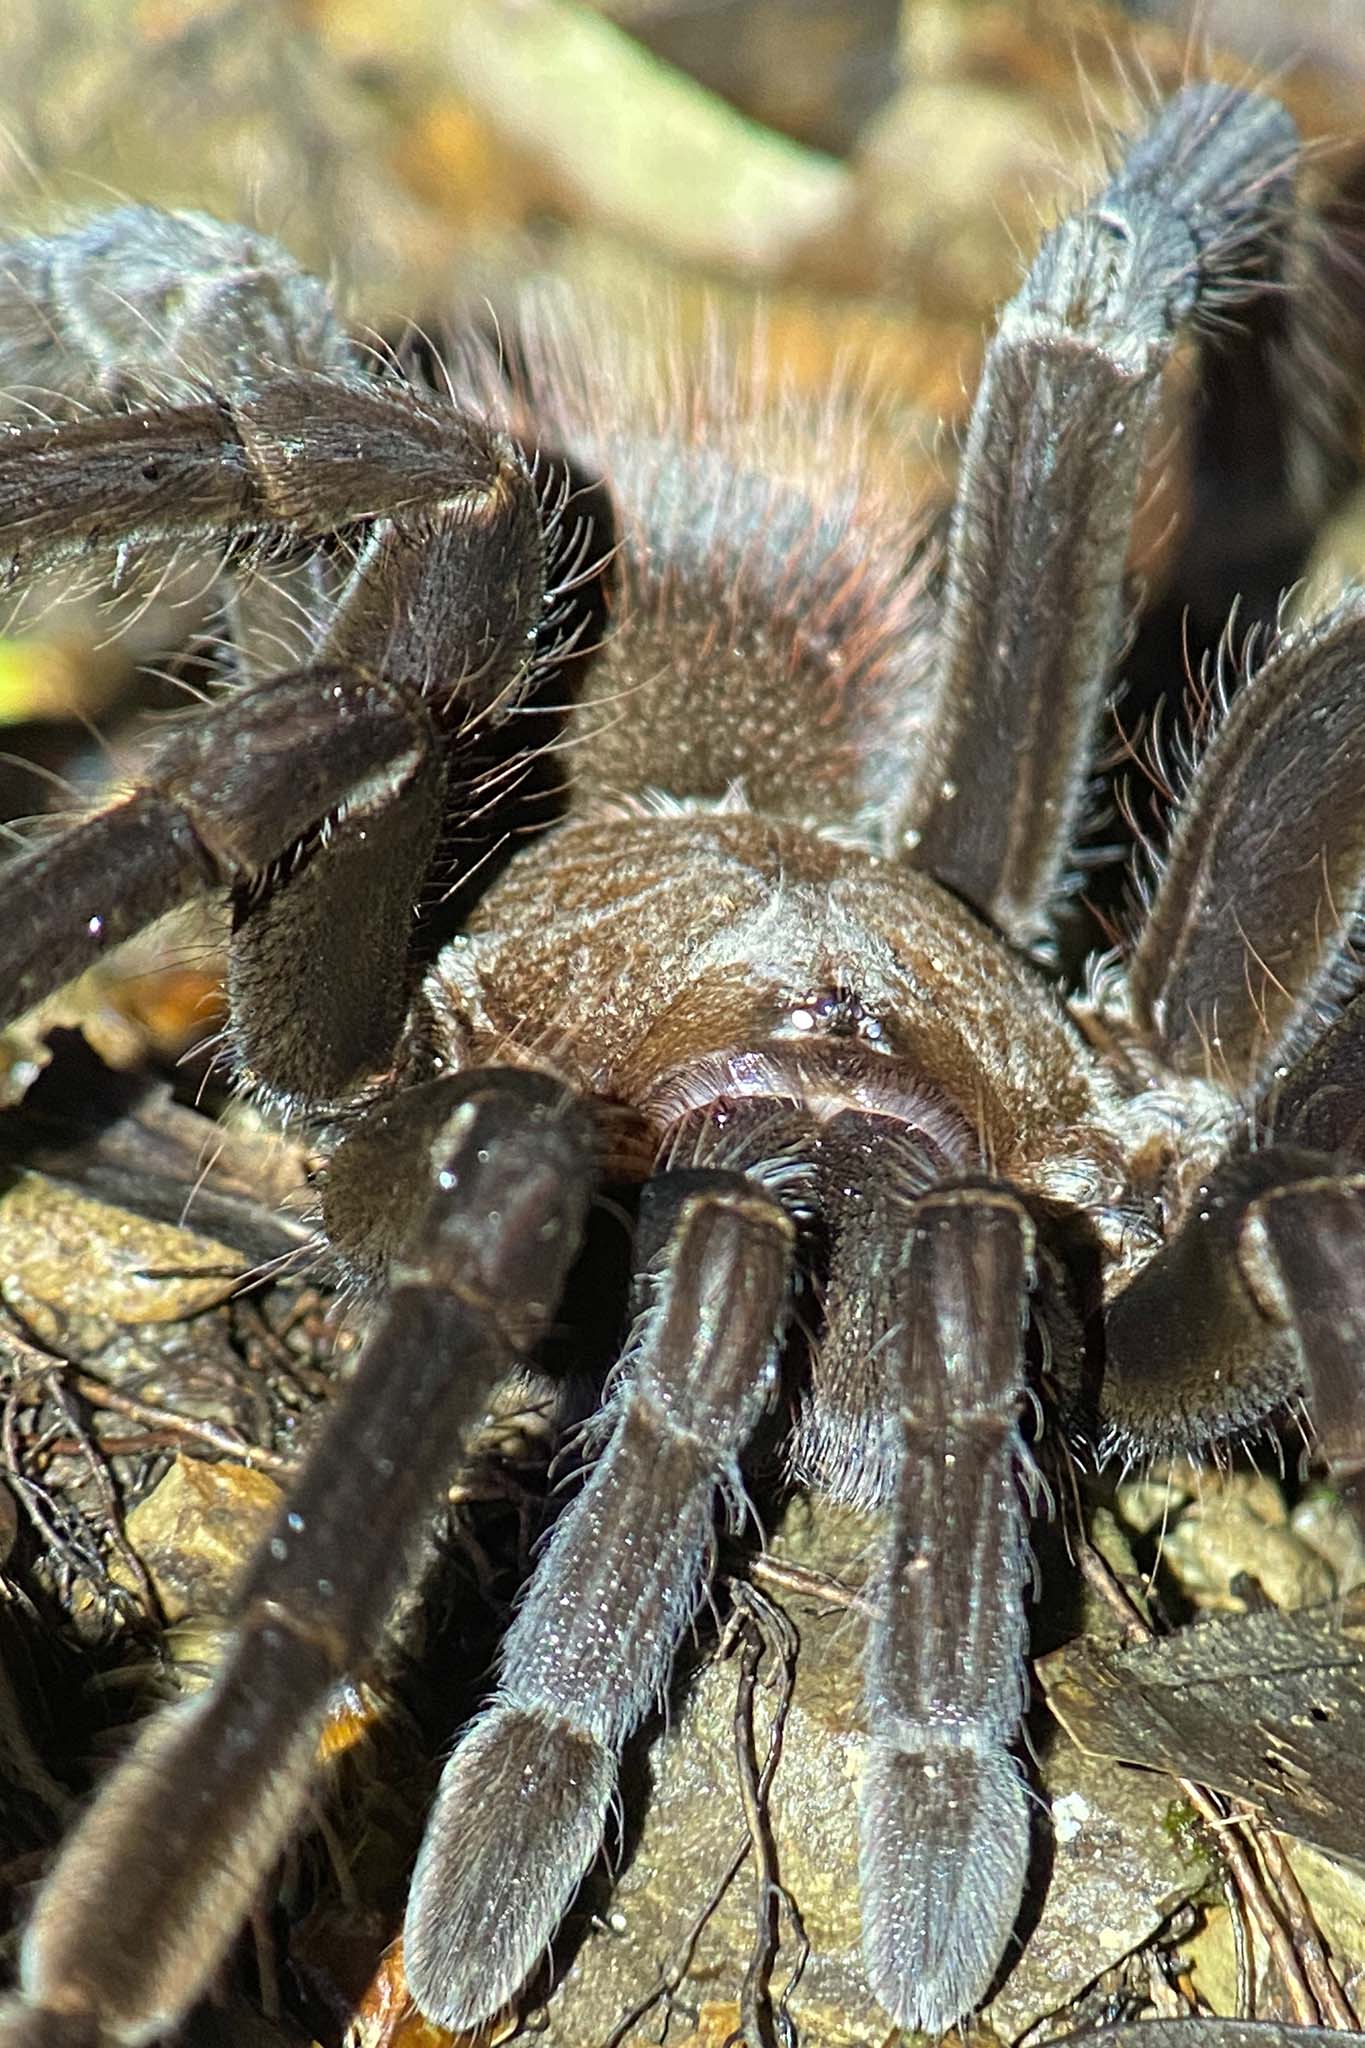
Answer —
95 927
1069 1816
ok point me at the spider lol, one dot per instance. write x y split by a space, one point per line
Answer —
784 962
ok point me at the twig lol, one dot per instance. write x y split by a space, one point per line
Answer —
1234 1829
66 1544
1241 1949
675 1972
208 1433
1327 1988
778 1576
759 2026
96 1463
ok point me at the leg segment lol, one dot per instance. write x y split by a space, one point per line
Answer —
239 793
1034 612
316 798
1251 926
291 458
151 1889
1320 1103
523 1803
945 1820
320 971
136 304
1257 1301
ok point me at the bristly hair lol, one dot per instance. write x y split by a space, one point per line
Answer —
757 533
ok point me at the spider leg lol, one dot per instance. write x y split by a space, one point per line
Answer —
140 307
1034 611
1274 436
224 801
1320 1102
1250 929
319 972
944 1806
151 1889
523 1802
291 457
315 797
138 304
1258 1299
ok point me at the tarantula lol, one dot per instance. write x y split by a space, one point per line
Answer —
782 963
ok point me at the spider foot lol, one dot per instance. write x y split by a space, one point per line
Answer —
945 1844
519 1817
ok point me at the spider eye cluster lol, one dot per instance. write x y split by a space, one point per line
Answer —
837 1012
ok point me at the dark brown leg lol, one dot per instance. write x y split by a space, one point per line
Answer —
523 1802
1034 614
1320 1102
136 304
320 976
1257 1302
234 796
945 1812
316 798
1250 928
151 1889
292 457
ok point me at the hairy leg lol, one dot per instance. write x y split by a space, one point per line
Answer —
151 1889
1250 930
1257 1303
1034 612
315 799
523 1802
945 1815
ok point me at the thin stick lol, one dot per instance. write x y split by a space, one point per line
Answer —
1327 1988
207 1433
1233 1829
780 1577
760 2026
96 1463
1241 1949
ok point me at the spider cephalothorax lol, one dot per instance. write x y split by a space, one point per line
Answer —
778 962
